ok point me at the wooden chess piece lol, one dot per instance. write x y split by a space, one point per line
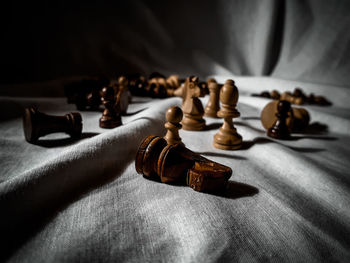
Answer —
297 120
299 96
85 94
227 138
287 96
192 106
174 163
173 116
275 95
111 115
137 84
213 105
122 94
279 129
37 124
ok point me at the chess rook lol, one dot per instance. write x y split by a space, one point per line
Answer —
37 124
227 138
279 129
173 116
213 105
192 106
111 115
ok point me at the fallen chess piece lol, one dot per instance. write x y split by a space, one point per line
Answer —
298 97
168 160
174 163
227 138
37 124
297 118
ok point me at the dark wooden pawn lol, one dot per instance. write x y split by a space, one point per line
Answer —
111 115
279 129
37 124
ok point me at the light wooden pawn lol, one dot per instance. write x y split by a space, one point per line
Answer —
173 116
227 138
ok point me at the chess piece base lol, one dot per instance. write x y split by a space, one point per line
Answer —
278 134
109 123
191 124
227 140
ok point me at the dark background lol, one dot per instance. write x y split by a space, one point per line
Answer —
299 40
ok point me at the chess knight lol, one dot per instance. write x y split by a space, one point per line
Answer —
192 106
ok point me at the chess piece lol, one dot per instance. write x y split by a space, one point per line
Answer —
173 83
287 96
299 96
111 115
156 85
85 94
227 138
263 94
192 106
37 124
297 120
122 94
173 116
275 95
137 84
213 105
174 163
279 129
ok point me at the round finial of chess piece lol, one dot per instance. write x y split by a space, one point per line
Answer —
279 129
37 124
173 116
111 115
227 138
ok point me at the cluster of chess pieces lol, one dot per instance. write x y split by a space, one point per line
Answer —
87 93
297 97
166 158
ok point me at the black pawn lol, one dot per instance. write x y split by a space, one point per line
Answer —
111 115
279 129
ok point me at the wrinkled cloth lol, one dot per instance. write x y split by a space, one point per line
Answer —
67 201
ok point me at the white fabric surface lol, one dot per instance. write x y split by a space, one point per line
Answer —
78 201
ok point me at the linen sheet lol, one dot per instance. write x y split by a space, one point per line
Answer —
76 201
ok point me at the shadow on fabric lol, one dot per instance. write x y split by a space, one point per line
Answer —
51 143
17 230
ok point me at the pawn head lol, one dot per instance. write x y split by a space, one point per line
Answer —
283 106
174 114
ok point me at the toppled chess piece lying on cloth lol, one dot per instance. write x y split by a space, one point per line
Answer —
169 161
